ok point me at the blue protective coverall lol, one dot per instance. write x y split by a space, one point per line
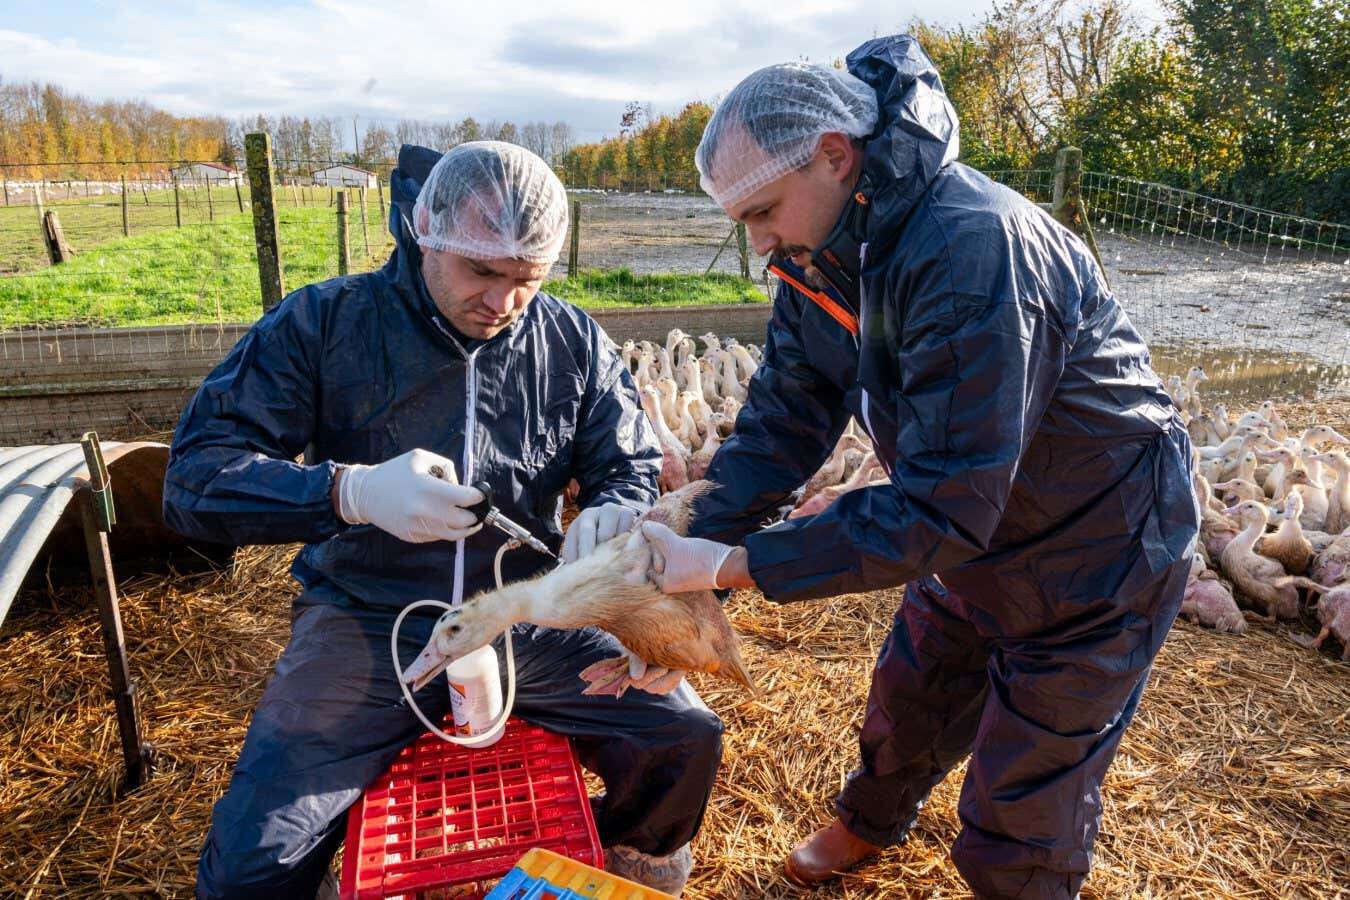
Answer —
359 370
1039 504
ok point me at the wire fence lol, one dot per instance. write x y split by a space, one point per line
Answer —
1260 298
151 273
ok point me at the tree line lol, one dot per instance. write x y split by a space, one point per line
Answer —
51 133
1240 98
301 144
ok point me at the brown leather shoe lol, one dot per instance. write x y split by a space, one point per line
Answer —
828 853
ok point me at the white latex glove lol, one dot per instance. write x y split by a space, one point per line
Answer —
683 563
403 497
593 526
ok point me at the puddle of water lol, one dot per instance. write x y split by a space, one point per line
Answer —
1246 376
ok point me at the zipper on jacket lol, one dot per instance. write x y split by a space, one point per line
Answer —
466 458
466 461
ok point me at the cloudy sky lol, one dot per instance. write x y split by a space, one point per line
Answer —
518 60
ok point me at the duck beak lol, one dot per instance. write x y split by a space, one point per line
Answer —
1230 511
429 663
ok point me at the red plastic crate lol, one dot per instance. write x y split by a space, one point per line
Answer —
447 817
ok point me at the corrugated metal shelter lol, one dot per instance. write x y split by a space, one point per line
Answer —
40 525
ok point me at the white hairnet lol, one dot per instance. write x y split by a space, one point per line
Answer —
770 124
492 200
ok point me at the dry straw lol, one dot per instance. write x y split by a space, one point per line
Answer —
1233 781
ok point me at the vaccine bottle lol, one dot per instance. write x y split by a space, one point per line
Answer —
476 695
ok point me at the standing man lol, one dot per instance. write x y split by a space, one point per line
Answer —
1039 506
448 360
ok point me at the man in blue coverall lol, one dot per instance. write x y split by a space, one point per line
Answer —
449 358
1038 508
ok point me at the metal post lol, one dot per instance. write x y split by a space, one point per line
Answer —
126 222
379 188
344 263
260 181
98 516
239 192
5 185
365 230
210 205
177 204
574 247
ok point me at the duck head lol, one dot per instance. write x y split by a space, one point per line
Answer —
458 632
1249 512
1323 434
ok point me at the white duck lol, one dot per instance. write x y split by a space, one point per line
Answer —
675 456
1338 495
1260 578
611 588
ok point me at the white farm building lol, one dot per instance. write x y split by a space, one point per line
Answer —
343 175
206 173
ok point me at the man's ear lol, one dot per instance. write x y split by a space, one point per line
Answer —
839 152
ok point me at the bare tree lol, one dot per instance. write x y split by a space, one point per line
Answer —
563 139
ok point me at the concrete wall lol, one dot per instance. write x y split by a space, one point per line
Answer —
134 382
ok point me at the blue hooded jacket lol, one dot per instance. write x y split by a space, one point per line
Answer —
1035 460
360 369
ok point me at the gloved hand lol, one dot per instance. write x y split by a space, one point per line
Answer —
683 563
593 526
404 497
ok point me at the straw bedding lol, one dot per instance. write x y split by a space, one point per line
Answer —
1234 779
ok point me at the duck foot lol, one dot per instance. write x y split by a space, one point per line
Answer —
606 678
613 677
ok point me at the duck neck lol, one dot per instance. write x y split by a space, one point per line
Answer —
535 600
1289 530
1250 535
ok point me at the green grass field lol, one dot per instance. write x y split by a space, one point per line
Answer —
206 271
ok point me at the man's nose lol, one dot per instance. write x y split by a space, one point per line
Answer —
764 242
499 299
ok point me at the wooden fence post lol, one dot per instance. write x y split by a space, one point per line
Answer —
295 198
126 222
1067 204
4 182
177 204
37 199
379 188
258 146
344 262
573 250
742 245
55 239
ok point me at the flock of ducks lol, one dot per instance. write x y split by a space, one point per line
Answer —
692 401
1254 472
1274 503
